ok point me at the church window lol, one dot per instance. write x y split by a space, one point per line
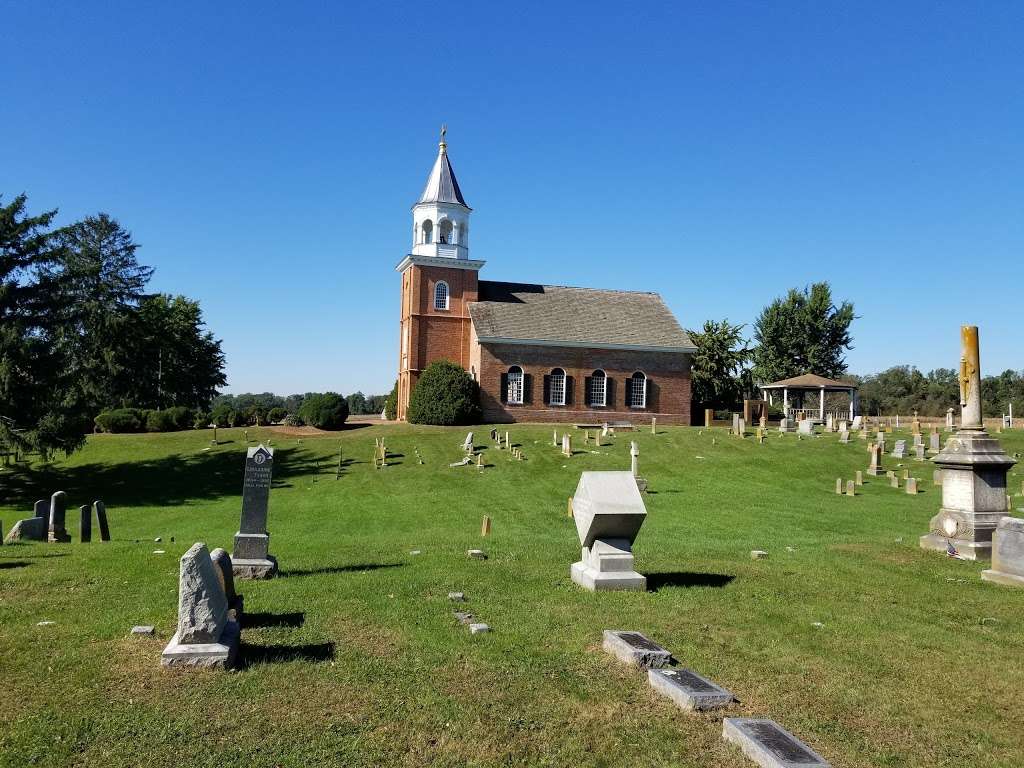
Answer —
441 295
428 231
556 383
444 231
597 389
638 391
515 385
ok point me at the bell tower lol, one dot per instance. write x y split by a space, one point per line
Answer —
439 280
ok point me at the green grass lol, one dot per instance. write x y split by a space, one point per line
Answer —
360 663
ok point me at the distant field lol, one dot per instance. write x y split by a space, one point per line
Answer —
352 657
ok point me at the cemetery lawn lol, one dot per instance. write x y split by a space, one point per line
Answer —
871 650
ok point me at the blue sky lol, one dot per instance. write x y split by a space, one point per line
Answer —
266 156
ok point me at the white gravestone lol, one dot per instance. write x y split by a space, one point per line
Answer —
609 511
899 450
806 427
1007 553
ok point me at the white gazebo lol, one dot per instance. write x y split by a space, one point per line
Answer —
795 393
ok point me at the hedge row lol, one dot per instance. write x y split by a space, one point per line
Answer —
145 420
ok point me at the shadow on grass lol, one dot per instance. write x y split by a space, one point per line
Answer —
166 481
258 620
658 581
8 564
251 655
338 569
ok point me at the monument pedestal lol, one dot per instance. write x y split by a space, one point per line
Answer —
251 560
974 469
608 565
219 655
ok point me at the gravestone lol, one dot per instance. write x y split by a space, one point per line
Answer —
784 425
1007 553
919 452
918 439
634 648
859 478
467 444
41 509
769 744
741 428
688 690
858 422
101 520
933 442
911 486
806 427
609 512
85 523
251 558
937 477
974 471
709 417
58 509
844 436
851 489
899 451
894 481
949 419
830 423
735 423
206 634
567 445
29 529
839 486
875 465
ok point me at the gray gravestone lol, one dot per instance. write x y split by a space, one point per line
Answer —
251 558
899 451
844 436
206 635
688 689
58 509
225 574
42 509
1007 553
933 442
770 745
101 520
608 511
85 523
30 529
919 452
805 427
635 648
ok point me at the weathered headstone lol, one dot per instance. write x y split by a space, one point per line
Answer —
735 423
689 690
769 744
851 489
839 486
919 452
467 444
859 478
85 523
609 511
875 465
894 481
949 419
709 417
1007 553
933 442
29 529
225 574
41 509
974 471
844 436
251 558
635 648
784 425
206 635
858 422
741 428
899 450
101 520
58 509
911 486
937 477
806 427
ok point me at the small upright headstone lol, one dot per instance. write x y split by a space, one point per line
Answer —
933 442
251 558
894 481
42 509
485 526
911 486
806 426
859 478
1007 553
85 523
899 450
937 477
844 436
784 425
735 423
101 520
919 452
741 428
225 574
875 467
839 486
58 509
634 456
851 488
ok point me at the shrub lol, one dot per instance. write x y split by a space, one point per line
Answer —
276 415
121 420
200 419
326 411
391 404
226 416
293 420
444 395
170 420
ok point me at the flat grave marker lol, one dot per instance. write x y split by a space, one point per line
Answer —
689 690
769 744
635 648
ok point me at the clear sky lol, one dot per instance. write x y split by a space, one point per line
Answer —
266 157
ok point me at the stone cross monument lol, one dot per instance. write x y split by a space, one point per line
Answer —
974 469
250 559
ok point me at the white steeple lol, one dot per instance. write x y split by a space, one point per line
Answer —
441 217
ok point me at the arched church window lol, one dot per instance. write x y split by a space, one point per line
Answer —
638 390
556 384
428 231
597 389
441 295
515 385
444 231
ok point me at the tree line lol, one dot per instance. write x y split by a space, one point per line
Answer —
296 410
79 333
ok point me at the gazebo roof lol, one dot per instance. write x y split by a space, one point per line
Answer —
809 381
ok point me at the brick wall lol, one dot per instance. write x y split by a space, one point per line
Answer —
668 374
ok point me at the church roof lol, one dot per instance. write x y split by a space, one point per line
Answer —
810 381
557 315
442 186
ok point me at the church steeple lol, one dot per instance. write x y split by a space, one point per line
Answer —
441 215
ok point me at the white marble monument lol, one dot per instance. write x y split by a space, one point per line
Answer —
608 511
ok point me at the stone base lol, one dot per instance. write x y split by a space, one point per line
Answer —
222 655
875 472
596 581
254 569
968 550
58 537
1006 579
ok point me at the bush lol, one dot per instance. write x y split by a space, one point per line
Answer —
276 415
326 411
444 395
226 416
121 420
391 404
200 419
170 420
293 420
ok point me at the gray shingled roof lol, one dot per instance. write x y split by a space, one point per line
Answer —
442 186
575 316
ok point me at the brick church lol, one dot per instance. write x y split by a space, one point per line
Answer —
540 353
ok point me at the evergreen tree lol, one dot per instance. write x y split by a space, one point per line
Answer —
719 374
802 333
